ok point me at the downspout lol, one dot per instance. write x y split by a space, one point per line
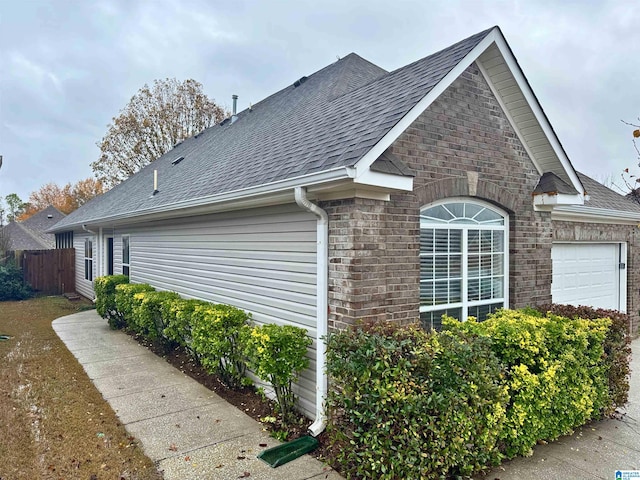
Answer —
322 304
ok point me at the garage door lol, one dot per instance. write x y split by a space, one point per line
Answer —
588 274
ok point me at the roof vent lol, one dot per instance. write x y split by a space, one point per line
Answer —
49 216
177 160
234 115
297 83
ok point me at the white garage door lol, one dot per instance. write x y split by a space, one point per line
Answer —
589 274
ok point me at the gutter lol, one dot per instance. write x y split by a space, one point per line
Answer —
322 305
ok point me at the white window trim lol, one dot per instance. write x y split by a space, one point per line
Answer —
464 305
88 261
128 263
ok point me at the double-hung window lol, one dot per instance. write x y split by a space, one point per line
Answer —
88 259
463 261
125 255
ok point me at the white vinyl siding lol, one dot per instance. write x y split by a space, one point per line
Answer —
84 286
262 260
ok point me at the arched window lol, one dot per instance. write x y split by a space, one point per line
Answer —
463 260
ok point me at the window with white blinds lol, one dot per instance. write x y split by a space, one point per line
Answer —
463 261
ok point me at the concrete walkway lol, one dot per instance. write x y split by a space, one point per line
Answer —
189 431
595 451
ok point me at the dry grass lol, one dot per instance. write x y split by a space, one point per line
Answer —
54 424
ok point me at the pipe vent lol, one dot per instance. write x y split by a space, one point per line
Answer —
234 115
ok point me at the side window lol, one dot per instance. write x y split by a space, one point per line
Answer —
463 261
88 259
125 255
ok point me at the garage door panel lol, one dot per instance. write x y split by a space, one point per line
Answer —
586 274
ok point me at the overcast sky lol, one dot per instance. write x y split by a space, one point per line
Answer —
68 67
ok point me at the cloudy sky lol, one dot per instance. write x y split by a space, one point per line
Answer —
67 67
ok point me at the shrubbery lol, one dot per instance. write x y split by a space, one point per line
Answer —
105 289
409 404
556 373
218 336
12 285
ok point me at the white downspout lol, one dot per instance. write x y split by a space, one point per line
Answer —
322 304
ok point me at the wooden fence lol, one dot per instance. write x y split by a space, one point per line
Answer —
49 271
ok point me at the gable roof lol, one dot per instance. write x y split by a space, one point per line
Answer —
30 233
333 125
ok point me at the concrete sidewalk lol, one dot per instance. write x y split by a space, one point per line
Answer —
189 431
595 451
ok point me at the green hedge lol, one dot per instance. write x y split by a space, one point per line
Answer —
216 335
12 284
556 374
409 404
126 302
105 290
217 332
617 346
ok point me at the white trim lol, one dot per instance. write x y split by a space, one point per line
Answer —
128 263
587 214
545 201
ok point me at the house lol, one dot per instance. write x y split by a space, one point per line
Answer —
357 193
30 234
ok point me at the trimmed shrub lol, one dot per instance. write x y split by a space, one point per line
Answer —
617 347
126 301
105 290
177 320
277 354
147 313
216 335
557 378
410 404
12 284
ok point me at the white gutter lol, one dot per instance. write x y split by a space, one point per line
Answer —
322 304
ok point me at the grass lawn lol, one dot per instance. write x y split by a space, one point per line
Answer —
54 424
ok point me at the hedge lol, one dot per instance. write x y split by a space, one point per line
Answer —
406 403
216 335
105 289
556 374
12 284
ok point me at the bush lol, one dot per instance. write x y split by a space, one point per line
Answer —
12 284
617 347
105 290
126 301
177 317
410 404
556 374
147 313
277 354
217 333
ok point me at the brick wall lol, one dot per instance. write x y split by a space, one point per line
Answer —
463 145
599 232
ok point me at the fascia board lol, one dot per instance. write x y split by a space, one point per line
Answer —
547 200
595 215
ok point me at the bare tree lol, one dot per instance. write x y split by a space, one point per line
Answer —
153 121
632 182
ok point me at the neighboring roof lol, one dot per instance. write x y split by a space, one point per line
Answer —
600 196
551 184
335 123
30 233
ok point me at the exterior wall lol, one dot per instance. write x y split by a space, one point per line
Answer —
261 260
84 287
598 232
462 146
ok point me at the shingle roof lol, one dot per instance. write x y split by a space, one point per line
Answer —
330 120
603 197
550 183
30 233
